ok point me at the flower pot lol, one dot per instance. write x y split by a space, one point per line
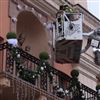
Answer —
44 55
12 38
13 42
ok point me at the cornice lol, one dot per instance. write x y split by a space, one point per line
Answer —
50 7
89 66
36 6
87 73
44 6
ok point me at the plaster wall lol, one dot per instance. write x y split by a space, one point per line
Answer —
4 18
4 24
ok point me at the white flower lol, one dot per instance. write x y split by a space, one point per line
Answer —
33 76
51 73
83 96
60 90
66 91
44 63
18 55
42 68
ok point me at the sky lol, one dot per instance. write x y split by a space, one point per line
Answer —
94 7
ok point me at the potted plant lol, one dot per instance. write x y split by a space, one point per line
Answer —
44 55
12 38
74 73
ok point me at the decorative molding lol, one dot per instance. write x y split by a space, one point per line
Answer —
17 6
89 65
86 74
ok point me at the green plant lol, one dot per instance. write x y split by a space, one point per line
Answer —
97 86
67 8
44 55
11 35
74 73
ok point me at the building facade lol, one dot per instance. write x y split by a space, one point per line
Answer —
30 18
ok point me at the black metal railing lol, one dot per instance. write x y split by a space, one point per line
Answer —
17 61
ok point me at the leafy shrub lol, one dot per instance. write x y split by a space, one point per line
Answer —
11 35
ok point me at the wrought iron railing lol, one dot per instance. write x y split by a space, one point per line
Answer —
57 85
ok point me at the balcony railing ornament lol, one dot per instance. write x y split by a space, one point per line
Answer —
75 87
60 93
28 74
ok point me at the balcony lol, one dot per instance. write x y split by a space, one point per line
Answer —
51 84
